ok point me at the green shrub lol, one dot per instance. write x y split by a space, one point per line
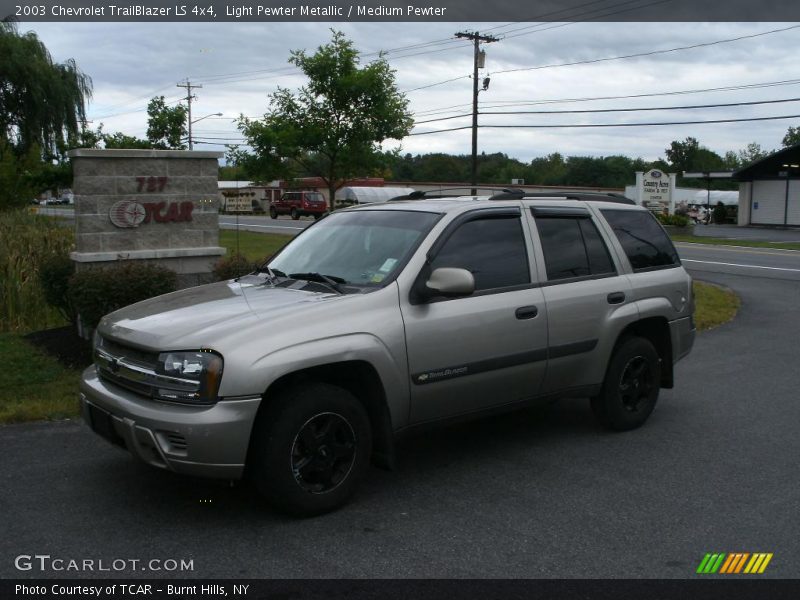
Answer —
97 292
673 220
234 266
26 241
54 274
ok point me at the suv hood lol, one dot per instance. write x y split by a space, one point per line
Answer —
195 316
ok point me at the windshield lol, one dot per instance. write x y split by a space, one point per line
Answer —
360 248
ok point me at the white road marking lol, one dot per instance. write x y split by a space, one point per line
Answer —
242 225
711 262
744 249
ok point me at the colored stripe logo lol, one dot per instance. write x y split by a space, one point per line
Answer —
734 563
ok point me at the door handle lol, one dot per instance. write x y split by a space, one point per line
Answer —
526 312
616 297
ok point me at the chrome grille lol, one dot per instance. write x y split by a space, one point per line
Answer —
135 370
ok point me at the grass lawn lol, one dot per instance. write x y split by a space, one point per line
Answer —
714 305
255 246
34 386
696 239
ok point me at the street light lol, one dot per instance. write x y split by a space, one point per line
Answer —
197 120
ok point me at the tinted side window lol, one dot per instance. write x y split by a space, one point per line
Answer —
492 249
572 248
599 259
642 238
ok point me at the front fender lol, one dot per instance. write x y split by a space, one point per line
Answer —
391 366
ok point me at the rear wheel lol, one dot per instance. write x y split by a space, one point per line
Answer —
295 214
311 449
273 213
631 386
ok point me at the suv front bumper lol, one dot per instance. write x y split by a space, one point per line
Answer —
205 441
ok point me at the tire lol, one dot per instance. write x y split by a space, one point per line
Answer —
631 386
317 216
273 213
295 214
311 449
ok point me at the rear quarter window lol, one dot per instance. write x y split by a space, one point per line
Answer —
646 244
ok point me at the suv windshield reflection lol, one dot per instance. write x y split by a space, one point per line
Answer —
363 248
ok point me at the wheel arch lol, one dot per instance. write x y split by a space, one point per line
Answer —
359 378
656 331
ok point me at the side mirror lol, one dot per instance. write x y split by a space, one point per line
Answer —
452 282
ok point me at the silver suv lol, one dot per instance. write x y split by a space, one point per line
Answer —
377 320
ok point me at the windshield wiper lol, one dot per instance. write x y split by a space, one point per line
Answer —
330 281
271 274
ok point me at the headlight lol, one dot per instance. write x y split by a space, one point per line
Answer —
196 376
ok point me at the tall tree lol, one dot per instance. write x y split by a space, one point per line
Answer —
166 125
334 125
751 153
42 103
792 137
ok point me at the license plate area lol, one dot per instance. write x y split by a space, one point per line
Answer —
102 423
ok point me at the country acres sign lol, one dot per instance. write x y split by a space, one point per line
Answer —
656 190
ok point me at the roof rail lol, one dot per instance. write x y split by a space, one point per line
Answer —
433 194
515 194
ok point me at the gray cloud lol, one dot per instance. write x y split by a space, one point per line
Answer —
131 62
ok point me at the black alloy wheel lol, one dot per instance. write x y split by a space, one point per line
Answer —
636 383
311 448
631 386
323 453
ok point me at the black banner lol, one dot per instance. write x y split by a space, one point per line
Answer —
404 10
715 588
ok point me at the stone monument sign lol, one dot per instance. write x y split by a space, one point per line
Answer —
160 206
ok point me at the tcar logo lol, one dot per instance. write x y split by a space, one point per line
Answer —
126 214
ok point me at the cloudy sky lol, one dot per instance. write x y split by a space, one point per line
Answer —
240 64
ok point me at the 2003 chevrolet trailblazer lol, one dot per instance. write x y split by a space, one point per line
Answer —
380 319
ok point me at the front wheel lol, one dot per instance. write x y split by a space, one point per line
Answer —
295 214
273 213
311 449
631 386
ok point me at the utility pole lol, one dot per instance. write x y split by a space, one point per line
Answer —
189 97
477 39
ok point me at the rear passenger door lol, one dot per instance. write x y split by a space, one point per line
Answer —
488 348
587 296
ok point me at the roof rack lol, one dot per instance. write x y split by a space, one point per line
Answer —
516 194
434 194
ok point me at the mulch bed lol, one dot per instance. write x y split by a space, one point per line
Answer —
63 344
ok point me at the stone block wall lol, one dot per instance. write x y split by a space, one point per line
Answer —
153 205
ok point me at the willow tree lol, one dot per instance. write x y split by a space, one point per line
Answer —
334 125
42 103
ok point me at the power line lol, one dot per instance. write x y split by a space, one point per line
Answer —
539 27
612 58
613 110
651 53
600 125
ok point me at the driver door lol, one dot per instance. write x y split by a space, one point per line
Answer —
486 349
